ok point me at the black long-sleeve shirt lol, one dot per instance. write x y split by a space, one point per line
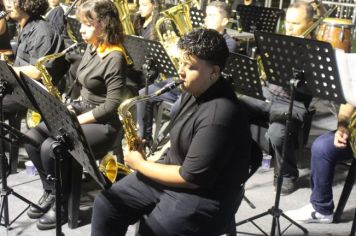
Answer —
103 82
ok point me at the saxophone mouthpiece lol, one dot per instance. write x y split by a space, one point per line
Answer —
168 87
71 47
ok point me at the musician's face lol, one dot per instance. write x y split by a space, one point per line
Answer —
53 3
15 11
215 19
198 74
146 8
296 21
90 31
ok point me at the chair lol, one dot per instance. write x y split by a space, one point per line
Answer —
164 109
349 183
76 184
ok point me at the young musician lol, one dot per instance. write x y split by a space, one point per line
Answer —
55 16
299 17
145 21
102 76
217 17
192 189
36 39
4 34
326 151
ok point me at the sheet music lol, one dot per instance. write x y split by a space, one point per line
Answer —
346 63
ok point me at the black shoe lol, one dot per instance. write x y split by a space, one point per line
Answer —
45 203
289 185
48 221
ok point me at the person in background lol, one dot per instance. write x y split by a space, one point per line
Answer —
327 150
299 17
192 189
102 76
217 17
55 16
36 39
5 46
145 27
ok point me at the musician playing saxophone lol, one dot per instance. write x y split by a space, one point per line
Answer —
327 150
36 39
101 74
192 189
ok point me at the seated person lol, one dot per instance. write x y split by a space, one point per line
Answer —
217 16
102 76
299 17
55 16
326 151
5 47
192 189
37 39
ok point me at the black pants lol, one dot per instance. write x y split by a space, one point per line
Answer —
168 211
100 138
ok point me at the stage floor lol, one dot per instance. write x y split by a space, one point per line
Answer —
259 190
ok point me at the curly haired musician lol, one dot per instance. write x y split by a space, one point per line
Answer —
102 74
193 188
36 39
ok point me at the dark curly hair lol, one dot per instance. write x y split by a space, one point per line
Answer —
106 14
34 8
206 44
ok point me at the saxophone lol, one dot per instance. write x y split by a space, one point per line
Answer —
108 166
33 118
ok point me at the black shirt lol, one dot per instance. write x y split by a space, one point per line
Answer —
211 140
56 19
103 81
36 40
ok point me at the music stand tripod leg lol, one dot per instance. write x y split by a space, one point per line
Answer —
5 190
276 213
57 149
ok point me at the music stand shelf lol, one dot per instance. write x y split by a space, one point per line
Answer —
254 18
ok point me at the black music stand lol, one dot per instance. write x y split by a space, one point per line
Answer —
145 51
196 17
6 76
242 72
149 55
64 128
296 63
254 18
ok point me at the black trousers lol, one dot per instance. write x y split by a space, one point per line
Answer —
168 211
100 137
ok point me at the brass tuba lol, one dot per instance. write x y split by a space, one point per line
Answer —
179 18
125 18
108 166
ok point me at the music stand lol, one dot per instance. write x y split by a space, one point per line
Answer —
254 18
148 52
196 17
145 51
64 128
7 78
242 71
310 65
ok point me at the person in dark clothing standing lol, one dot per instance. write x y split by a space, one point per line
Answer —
102 76
192 189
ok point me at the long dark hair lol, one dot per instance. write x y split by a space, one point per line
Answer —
106 14
138 21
